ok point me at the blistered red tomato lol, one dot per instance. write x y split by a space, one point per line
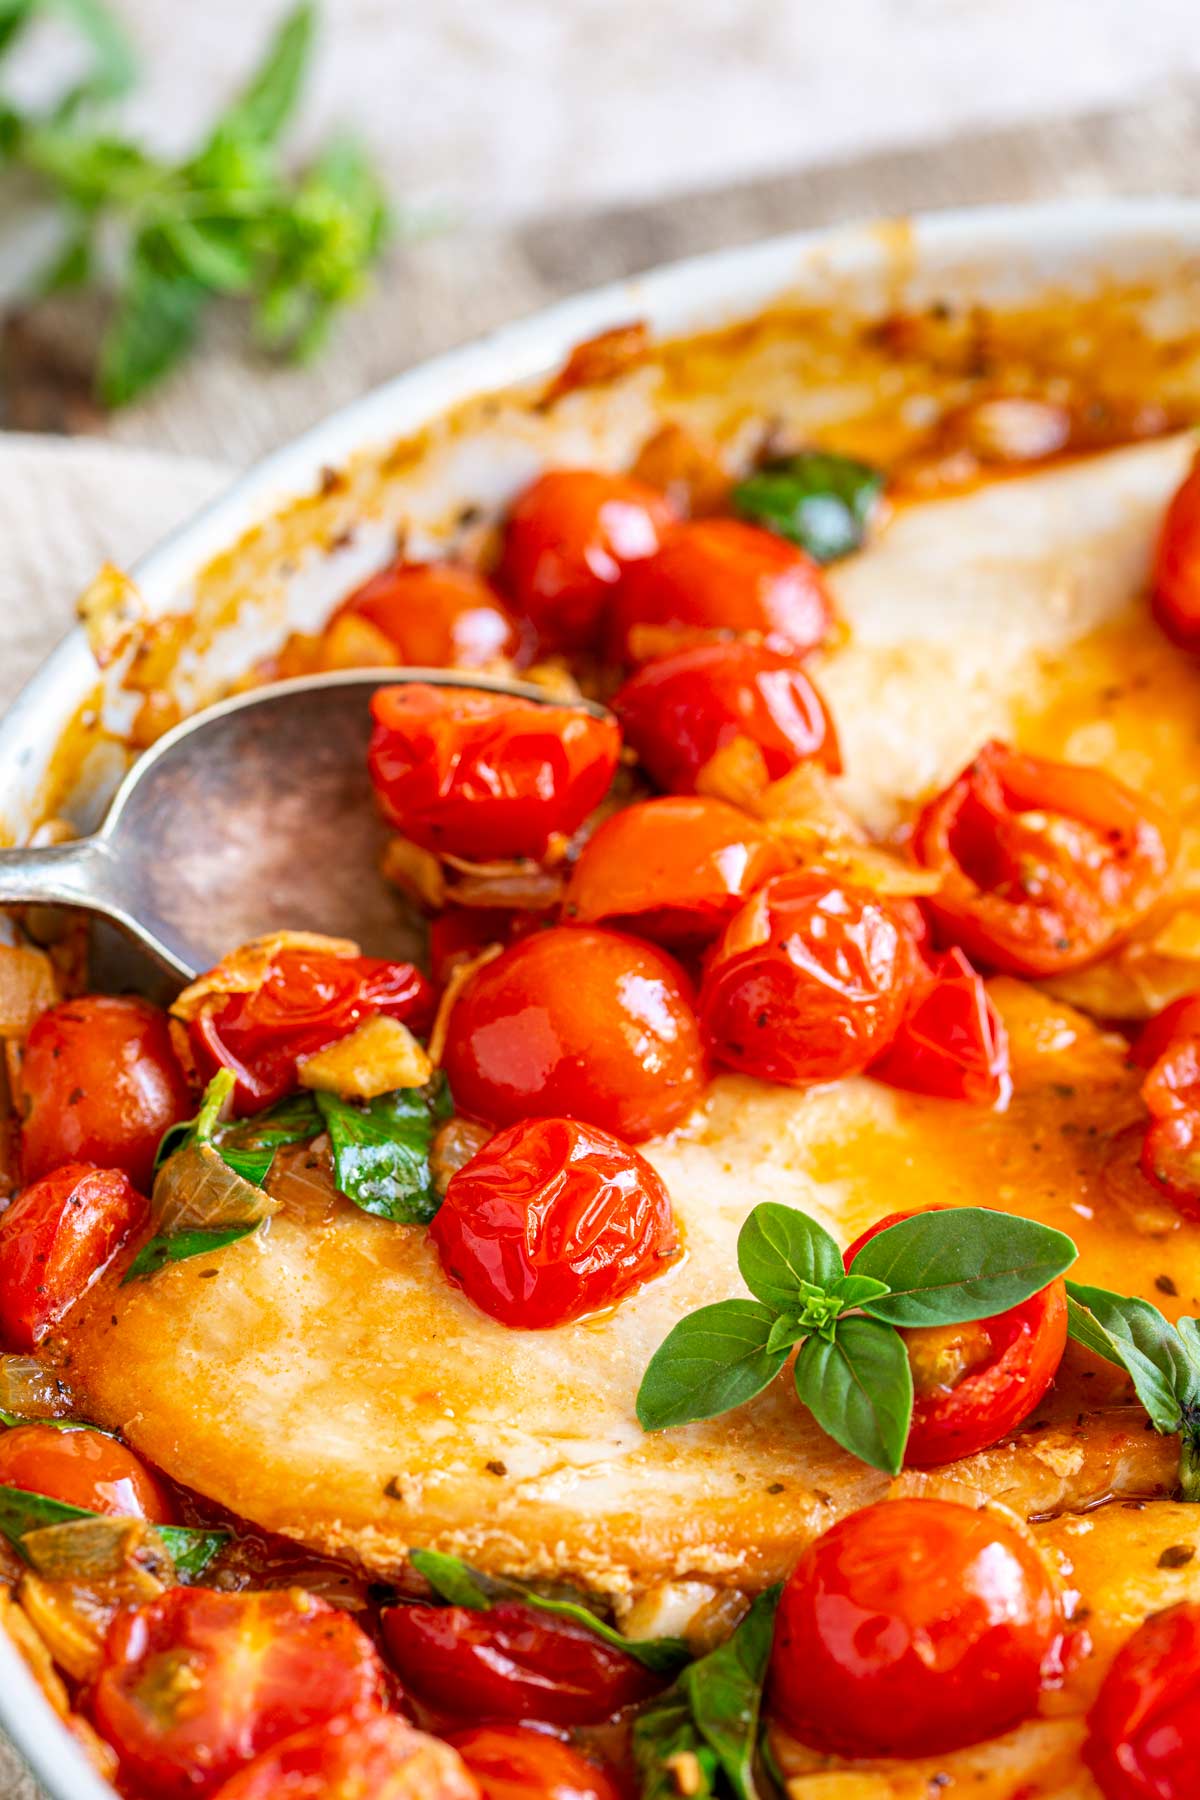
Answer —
1044 865
678 711
1169 1050
378 1757
510 1762
512 1662
1176 579
482 776
307 1000
1143 1739
436 615
974 1384
101 1083
951 1041
552 1220
578 1023
720 575
673 869
54 1240
82 1468
912 1628
808 982
197 1683
570 535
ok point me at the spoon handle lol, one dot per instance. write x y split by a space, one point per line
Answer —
55 875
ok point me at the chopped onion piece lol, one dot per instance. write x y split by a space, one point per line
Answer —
111 612
454 1144
245 969
196 1190
28 985
30 1391
378 1056
97 1549
416 872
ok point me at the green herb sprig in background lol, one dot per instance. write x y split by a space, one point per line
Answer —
1162 1361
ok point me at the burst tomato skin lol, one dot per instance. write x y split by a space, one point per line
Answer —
484 777
512 1663
54 1239
510 1762
377 1757
1015 1357
1176 578
912 1628
808 982
673 870
678 711
436 615
552 1220
82 1468
720 575
951 1041
1143 1738
569 537
197 1683
1044 865
578 1023
307 1001
101 1083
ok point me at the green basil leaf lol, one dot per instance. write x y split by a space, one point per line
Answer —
856 1290
724 1692
12 1420
381 1151
114 63
663 1731
713 1360
155 325
780 1250
179 1246
859 1390
1135 1336
787 1330
945 1268
451 1579
268 101
819 500
15 15
249 1145
191 1550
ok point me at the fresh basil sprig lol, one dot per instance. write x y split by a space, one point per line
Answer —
381 1149
710 1717
191 1550
1161 1360
247 1145
458 1584
821 501
852 1369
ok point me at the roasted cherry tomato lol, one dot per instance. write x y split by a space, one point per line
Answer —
673 869
808 982
569 537
678 711
1143 1738
378 1757
54 1240
951 1040
511 1762
581 1024
1176 580
82 1468
460 933
1044 865
552 1220
512 1662
1169 1050
912 1628
307 1001
197 1683
720 575
436 615
481 776
974 1384
101 1084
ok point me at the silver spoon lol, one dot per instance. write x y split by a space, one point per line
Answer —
253 816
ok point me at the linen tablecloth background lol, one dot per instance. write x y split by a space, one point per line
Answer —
64 506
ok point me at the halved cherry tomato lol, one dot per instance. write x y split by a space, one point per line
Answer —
1044 865
482 776
720 575
101 1083
1176 579
570 535
379 1757
436 615
951 1041
678 711
551 1220
911 1628
54 1240
459 933
808 982
581 1024
307 1000
82 1468
197 1683
1169 1050
1143 1738
974 1384
673 869
511 1762
512 1662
